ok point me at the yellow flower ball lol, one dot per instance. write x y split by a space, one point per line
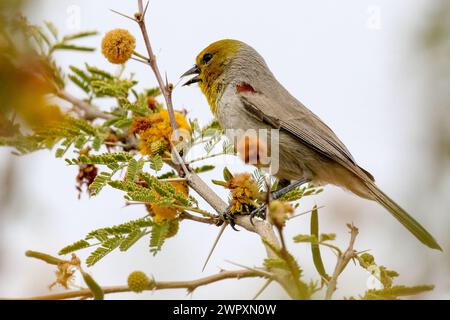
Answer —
118 46
138 281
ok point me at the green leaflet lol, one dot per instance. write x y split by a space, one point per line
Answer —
156 163
97 291
122 236
134 168
81 244
99 182
106 247
131 239
158 237
301 192
203 169
104 159
315 249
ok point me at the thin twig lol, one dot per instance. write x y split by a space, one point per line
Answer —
303 213
264 287
342 262
140 60
123 15
202 212
207 157
159 285
167 93
259 270
187 216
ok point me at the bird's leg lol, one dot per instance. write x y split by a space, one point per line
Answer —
277 194
228 217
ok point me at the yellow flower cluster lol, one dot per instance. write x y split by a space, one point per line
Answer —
155 131
118 46
161 214
244 192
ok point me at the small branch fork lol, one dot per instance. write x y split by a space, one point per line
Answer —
190 286
342 262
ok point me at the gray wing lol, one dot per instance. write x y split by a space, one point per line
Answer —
296 119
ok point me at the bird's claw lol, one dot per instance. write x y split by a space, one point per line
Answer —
229 218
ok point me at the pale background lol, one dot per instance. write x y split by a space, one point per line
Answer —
360 65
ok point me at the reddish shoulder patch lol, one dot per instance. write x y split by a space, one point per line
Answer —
244 87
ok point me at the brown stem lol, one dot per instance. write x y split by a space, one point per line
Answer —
187 216
160 285
165 89
342 262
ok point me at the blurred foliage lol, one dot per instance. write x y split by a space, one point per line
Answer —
436 44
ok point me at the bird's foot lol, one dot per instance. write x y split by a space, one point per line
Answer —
260 212
228 217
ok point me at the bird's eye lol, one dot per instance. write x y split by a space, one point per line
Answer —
207 57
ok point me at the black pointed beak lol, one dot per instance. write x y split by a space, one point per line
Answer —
194 70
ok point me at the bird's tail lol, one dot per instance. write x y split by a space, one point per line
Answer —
401 215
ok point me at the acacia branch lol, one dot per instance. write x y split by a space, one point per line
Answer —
342 262
263 228
90 112
158 285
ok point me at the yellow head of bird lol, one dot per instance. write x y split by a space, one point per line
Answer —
210 64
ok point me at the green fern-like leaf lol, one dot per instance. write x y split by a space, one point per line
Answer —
106 248
99 182
121 229
131 239
99 72
74 247
158 236
80 35
105 159
134 167
79 83
156 163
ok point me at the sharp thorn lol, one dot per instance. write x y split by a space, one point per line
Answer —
216 241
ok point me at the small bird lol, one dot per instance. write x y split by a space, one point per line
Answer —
244 94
